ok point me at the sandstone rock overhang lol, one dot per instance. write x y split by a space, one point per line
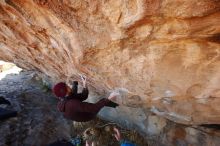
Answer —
166 54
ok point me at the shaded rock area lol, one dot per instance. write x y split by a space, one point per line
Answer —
38 122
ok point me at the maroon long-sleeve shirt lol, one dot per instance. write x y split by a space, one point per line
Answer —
74 109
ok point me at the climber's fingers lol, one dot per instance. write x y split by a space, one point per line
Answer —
88 143
113 96
117 134
83 78
93 144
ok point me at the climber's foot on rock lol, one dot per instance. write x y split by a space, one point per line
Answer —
112 97
112 104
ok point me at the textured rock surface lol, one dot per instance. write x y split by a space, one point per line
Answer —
166 53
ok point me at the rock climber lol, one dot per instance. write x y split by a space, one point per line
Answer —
72 105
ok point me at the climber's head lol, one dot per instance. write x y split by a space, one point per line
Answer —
61 89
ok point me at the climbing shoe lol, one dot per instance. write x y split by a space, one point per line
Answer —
112 104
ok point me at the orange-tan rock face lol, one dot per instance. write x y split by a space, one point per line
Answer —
165 51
